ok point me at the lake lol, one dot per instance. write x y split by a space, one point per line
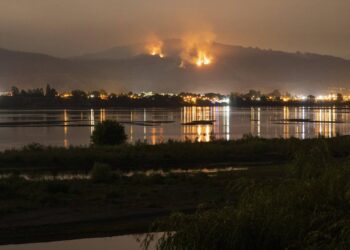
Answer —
155 125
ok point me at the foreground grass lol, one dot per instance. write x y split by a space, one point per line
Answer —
166 155
108 204
308 209
300 197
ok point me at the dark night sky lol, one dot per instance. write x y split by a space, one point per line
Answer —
73 27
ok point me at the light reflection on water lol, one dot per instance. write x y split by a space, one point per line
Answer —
155 125
151 172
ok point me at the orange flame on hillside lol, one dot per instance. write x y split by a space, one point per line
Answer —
202 59
197 50
155 47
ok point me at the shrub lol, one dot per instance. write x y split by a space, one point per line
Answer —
101 172
311 162
308 210
108 133
34 147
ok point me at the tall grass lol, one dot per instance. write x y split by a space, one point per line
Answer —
164 155
308 210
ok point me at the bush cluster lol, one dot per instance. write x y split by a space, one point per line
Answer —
307 210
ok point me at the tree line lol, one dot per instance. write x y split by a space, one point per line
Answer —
49 97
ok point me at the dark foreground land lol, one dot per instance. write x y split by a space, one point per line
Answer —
295 193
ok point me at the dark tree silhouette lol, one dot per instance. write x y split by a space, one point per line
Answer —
340 97
78 94
108 133
50 92
15 91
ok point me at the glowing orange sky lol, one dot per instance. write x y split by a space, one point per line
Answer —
71 27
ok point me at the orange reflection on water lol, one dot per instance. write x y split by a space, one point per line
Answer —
303 124
102 115
199 132
65 128
131 133
255 124
227 122
286 124
326 119
65 123
154 136
92 121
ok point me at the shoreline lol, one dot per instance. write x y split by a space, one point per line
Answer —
55 210
247 105
93 228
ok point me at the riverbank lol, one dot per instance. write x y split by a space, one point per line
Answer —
308 208
38 211
112 203
172 154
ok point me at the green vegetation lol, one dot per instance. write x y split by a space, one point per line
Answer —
307 209
296 193
39 210
108 133
248 150
101 173
50 98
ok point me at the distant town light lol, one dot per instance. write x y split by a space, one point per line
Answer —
5 93
65 95
213 98
301 97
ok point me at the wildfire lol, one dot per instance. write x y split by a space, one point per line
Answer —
155 47
156 51
197 49
202 59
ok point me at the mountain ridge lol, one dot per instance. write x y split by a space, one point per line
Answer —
235 68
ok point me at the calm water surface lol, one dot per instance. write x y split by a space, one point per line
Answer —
128 242
154 125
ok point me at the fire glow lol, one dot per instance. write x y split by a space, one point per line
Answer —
155 48
156 51
197 49
202 59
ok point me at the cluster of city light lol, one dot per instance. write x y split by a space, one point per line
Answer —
321 98
193 99
330 97
102 96
187 98
147 94
293 98
5 93
65 95
298 98
216 98
190 99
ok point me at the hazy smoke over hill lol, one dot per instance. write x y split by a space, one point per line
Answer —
137 68
72 27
